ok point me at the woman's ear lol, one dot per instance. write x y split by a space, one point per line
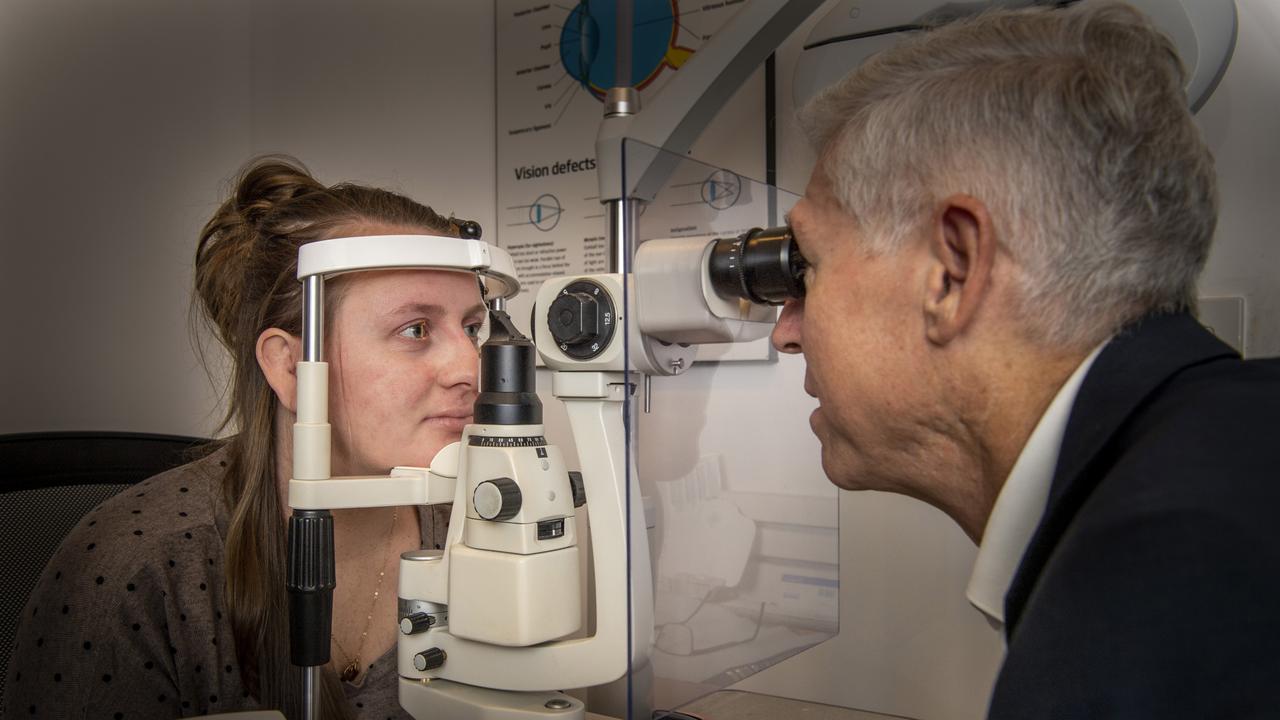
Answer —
964 247
278 354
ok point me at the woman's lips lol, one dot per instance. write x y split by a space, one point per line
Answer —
450 422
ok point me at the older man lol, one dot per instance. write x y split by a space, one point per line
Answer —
1004 232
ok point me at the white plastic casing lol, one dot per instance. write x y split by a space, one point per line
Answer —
311 433
493 563
423 252
649 355
545 496
677 303
513 600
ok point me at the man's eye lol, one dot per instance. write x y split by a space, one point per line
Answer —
416 331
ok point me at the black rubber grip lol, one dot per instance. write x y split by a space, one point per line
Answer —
310 583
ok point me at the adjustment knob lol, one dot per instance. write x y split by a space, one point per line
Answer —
429 659
579 491
582 319
416 623
497 499
574 318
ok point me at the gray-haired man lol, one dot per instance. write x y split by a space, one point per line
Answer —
1005 229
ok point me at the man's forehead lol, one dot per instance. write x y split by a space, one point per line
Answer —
819 197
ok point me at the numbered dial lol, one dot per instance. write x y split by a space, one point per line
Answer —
582 319
498 499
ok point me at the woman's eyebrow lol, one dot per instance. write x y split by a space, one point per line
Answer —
432 309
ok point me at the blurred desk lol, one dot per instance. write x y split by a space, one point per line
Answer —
740 705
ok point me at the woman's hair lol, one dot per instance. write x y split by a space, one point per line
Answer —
1071 125
246 282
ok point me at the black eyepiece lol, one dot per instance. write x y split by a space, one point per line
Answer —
508 385
762 266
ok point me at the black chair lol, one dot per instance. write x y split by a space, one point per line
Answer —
48 481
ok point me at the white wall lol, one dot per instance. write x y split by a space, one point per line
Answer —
1239 123
120 123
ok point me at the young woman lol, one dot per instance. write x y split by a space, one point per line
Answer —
169 599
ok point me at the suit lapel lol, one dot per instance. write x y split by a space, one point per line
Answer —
1128 370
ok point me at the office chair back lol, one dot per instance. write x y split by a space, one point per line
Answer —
48 481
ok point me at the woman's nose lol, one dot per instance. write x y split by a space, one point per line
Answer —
786 333
459 361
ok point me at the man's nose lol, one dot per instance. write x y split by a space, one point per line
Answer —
786 333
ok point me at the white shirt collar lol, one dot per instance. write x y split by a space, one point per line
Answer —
1021 503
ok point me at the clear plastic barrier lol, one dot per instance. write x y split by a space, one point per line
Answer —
743 547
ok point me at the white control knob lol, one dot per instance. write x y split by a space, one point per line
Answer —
498 499
429 659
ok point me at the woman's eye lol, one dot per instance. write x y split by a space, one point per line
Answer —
473 330
416 331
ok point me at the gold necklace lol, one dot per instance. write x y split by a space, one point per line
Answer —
351 670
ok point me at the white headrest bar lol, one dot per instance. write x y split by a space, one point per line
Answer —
423 252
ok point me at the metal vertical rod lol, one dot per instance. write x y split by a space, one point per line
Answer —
307 574
621 100
311 692
313 318
622 230
624 27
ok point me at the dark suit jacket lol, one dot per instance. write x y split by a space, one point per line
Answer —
1151 588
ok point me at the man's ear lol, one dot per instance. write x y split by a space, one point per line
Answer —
278 354
963 245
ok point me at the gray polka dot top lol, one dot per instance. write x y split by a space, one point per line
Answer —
128 619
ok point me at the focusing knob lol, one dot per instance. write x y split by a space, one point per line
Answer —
579 491
574 318
582 319
416 623
429 659
761 266
497 499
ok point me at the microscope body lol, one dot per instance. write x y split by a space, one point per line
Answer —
519 541
491 620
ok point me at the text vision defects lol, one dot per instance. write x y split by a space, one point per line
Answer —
565 167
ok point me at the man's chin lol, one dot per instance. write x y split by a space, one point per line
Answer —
840 473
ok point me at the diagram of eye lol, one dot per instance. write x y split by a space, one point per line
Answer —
569 52
543 213
592 28
556 62
720 190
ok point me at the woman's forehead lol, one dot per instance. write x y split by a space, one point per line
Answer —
385 290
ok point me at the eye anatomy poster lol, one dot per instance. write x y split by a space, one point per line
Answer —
555 61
